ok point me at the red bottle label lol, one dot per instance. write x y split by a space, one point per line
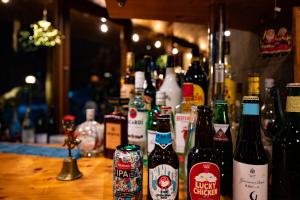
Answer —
204 181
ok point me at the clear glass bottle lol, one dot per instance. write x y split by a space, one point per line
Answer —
91 134
27 128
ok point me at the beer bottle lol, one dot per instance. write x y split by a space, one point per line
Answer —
250 164
203 169
163 164
223 146
286 150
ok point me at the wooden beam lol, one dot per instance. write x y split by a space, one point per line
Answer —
296 34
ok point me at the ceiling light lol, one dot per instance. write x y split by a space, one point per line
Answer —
227 33
174 51
135 37
157 44
103 19
5 1
30 79
104 28
189 55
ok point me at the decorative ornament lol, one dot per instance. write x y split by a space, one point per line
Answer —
44 34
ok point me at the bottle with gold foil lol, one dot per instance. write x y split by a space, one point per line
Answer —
254 84
198 77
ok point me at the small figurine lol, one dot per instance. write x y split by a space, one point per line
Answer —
70 169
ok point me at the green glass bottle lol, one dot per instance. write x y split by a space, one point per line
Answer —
223 146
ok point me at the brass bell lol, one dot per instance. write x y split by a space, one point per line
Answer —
69 170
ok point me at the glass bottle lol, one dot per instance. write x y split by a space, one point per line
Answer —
27 128
127 84
149 92
198 77
230 89
182 117
152 120
203 169
15 128
137 115
41 132
163 164
170 85
115 129
250 163
90 133
286 150
219 81
254 84
223 146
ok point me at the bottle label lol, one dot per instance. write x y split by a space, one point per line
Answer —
250 181
163 139
219 73
127 91
250 109
204 181
220 130
113 135
230 91
136 125
88 142
292 104
181 125
163 182
151 140
199 96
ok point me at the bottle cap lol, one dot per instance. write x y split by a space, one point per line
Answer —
139 79
269 82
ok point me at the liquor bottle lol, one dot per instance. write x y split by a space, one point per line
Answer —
230 89
137 115
286 150
182 117
15 128
27 128
219 81
250 164
152 120
41 132
115 128
91 136
254 84
127 84
149 92
170 86
223 146
203 169
163 164
198 77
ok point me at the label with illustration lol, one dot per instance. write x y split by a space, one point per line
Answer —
220 130
163 139
151 140
163 182
250 181
136 125
113 135
199 95
204 181
181 125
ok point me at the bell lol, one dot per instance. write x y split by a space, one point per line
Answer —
69 170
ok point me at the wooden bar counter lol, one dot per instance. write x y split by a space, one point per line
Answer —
25 177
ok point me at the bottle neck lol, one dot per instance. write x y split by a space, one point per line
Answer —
170 71
220 115
250 125
219 81
139 91
203 136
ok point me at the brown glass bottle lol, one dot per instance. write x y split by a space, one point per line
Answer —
115 128
163 164
203 168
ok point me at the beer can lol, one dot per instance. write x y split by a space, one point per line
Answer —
128 172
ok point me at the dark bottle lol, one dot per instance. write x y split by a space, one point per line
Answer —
250 163
286 150
203 169
197 76
223 146
150 91
163 164
52 125
115 128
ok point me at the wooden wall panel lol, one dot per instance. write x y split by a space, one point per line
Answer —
296 35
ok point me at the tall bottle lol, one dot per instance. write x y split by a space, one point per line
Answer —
203 169
115 128
250 163
27 128
198 77
137 115
170 86
163 164
286 150
219 81
254 84
223 146
152 120
15 128
182 117
127 82
149 93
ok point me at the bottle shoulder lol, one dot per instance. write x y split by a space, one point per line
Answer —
250 152
163 156
198 154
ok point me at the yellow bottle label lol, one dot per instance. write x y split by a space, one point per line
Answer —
253 86
230 91
292 104
113 135
199 96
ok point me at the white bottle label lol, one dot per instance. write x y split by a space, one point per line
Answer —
250 181
163 182
181 125
151 140
136 125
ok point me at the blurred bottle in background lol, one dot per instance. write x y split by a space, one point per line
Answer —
15 128
28 128
41 132
127 82
150 91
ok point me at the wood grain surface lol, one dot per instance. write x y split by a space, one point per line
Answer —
25 177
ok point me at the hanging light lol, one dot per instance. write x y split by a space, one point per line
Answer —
135 37
103 19
157 44
227 33
5 1
104 28
30 79
189 55
174 51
